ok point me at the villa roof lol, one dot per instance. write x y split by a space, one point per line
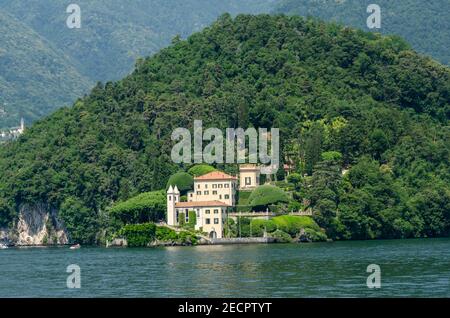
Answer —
199 204
215 175
249 167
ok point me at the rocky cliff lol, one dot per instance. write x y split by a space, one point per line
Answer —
36 225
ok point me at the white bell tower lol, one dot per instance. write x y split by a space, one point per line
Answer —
173 196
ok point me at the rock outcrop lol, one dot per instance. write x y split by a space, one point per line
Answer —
36 225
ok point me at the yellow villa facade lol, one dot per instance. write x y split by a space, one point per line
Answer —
210 199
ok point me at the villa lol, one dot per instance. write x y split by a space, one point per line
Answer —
213 194
14 132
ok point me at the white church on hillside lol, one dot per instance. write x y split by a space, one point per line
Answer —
213 194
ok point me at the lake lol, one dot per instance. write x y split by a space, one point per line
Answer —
409 268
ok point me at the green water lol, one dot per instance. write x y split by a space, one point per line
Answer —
408 268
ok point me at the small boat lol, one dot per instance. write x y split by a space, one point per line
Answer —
75 247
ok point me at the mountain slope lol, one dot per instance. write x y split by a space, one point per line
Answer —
114 33
33 73
48 64
424 24
328 88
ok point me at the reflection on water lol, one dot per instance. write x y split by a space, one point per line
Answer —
409 268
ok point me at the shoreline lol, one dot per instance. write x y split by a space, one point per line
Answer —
173 244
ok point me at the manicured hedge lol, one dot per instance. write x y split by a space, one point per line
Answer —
200 170
292 224
182 180
243 197
266 195
146 207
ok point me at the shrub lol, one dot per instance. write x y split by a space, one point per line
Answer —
187 238
259 226
146 207
281 237
182 180
200 170
295 178
181 219
293 224
230 228
266 195
315 236
165 234
139 235
192 220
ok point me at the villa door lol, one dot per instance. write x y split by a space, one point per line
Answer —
212 235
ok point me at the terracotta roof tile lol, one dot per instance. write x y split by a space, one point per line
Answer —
199 204
215 175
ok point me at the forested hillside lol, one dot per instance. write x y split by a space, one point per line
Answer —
48 65
424 24
342 98
35 77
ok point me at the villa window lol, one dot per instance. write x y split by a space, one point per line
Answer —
227 196
190 194
227 185
208 211
215 192
198 187
248 180
208 221
220 186
216 221
206 186
206 192
216 211
199 192
220 197
214 186
170 198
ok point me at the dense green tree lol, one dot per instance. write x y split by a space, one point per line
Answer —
79 220
146 207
